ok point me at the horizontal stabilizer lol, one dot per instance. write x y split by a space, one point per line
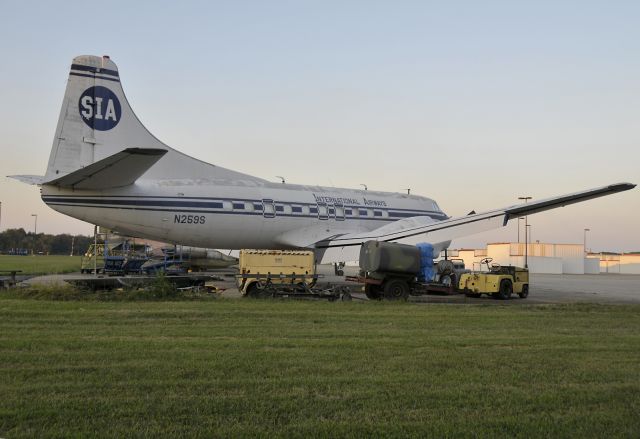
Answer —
118 170
28 179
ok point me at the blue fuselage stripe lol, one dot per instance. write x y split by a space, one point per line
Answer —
94 76
213 207
92 69
216 203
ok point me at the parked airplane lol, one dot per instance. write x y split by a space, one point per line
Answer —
107 169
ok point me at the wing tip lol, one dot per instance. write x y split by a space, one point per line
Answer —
619 187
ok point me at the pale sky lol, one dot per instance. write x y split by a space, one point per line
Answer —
470 103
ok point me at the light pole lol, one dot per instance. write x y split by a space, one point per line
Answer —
35 231
584 241
519 218
526 241
527 233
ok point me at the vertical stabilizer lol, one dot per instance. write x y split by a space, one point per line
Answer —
96 122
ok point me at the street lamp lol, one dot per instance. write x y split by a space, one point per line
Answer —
526 241
584 241
35 231
519 218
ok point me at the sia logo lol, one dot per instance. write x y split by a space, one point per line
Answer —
100 108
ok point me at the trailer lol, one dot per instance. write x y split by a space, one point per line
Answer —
284 274
393 271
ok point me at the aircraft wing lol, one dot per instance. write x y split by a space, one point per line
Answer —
446 230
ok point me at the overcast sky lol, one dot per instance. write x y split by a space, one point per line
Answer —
470 103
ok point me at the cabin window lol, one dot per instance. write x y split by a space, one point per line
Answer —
257 207
313 210
279 208
348 212
214 205
238 206
296 209
377 213
362 212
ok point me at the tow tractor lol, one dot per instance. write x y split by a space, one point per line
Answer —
393 271
500 281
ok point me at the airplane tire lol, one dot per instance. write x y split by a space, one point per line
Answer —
396 289
525 292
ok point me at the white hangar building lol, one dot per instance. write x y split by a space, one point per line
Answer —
550 258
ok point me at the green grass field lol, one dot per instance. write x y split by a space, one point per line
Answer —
277 368
40 264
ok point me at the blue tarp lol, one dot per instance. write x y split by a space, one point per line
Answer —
427 271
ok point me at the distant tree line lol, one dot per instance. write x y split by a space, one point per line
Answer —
18 241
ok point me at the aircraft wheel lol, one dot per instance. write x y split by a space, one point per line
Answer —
525 292
396 289
506 289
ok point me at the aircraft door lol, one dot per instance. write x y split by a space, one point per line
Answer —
339 211
268 208
323 211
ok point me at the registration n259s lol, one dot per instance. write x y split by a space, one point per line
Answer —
189 219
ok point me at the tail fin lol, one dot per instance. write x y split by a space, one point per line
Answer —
97 122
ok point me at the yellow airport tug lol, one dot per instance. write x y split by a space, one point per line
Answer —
500 281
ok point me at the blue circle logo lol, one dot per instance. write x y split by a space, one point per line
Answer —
100 108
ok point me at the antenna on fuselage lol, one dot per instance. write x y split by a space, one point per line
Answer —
281 178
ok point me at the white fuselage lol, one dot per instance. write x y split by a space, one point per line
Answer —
236 214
